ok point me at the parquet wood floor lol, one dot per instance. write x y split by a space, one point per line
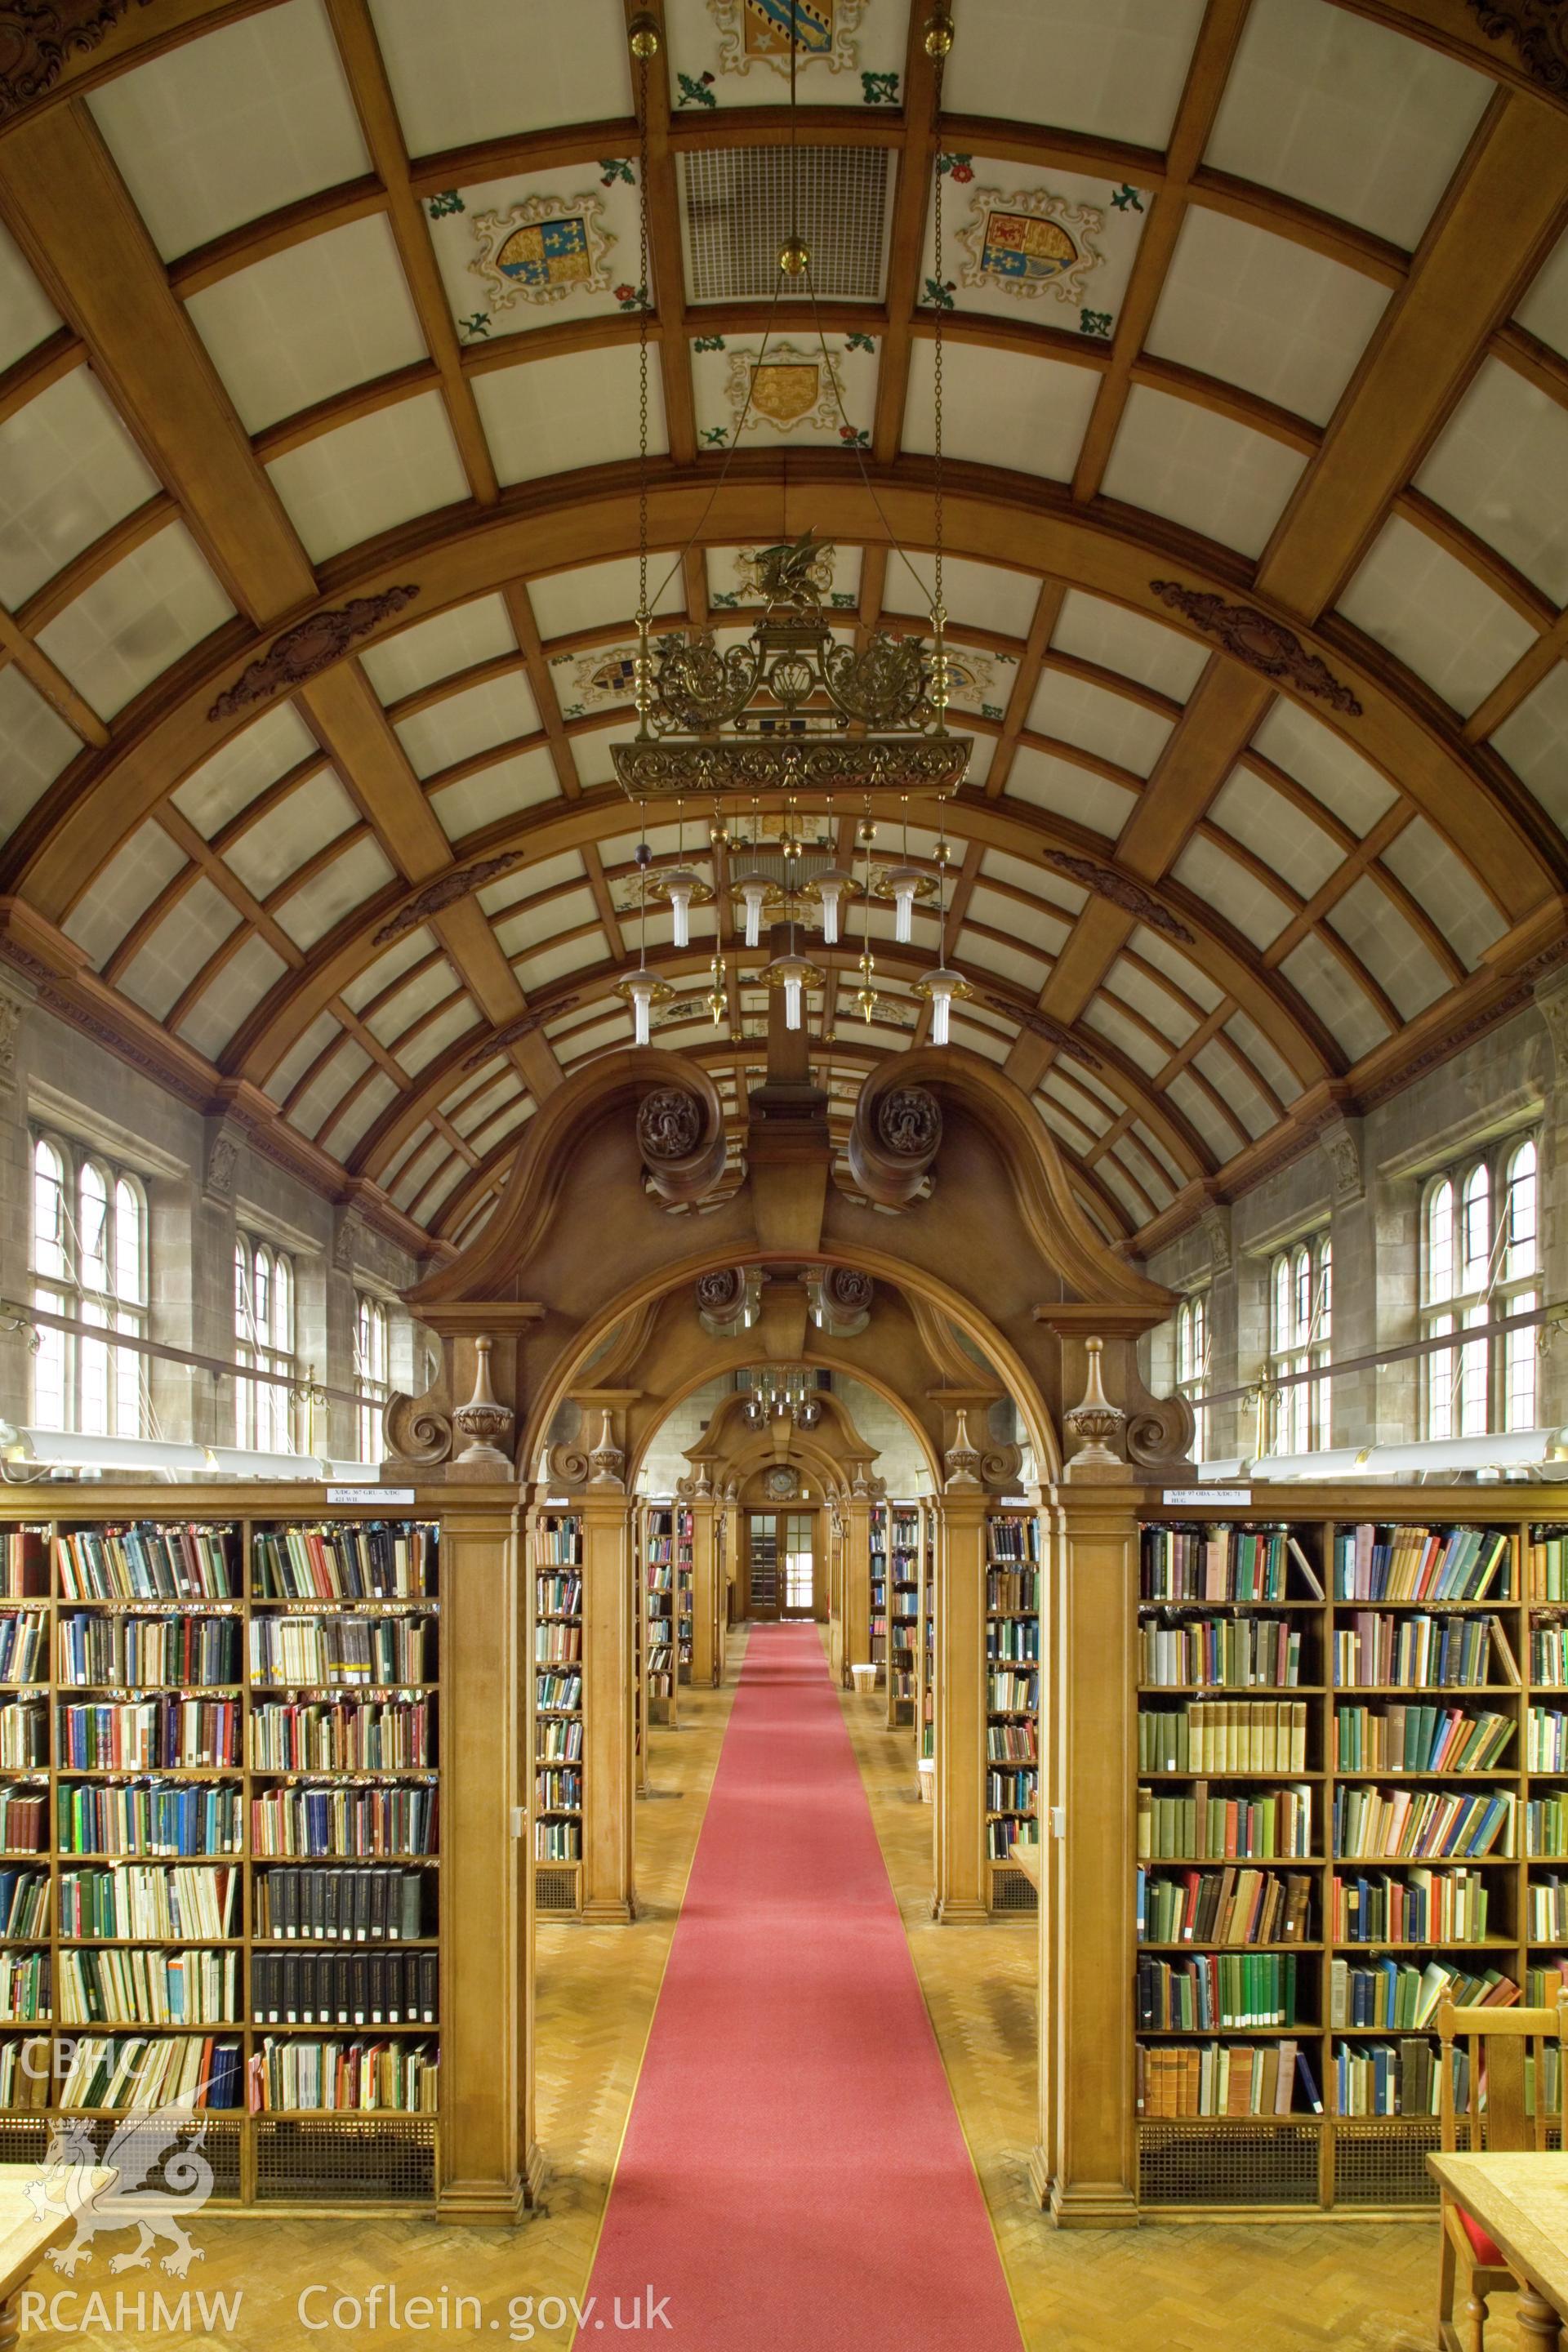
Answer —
1354 2288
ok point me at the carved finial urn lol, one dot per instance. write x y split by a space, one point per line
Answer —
1095 1421
484 1422
962 1460
606 1463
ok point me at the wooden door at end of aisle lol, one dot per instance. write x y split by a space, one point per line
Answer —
781 1564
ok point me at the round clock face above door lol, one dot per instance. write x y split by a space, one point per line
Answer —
780 1484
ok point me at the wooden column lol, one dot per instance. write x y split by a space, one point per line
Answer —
707 1601
489 2163
1084 2167
961 1895
608 1700
731 1611
855 1585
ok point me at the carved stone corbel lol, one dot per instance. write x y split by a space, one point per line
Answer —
484 1422
1342 1146
1551 1003
1215 1225
14 998
220 1165
681 1140
894 1140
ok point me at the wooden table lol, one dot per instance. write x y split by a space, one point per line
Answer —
1522 2202
1027 1858
24 2239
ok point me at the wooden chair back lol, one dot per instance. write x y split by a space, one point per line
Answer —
1499 2040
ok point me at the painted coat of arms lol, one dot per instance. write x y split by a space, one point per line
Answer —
760 32
784 386
1029 244
608 675
541 249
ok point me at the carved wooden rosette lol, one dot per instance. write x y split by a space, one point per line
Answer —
894 1140
680 1136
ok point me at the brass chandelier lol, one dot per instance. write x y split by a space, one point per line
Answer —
791 711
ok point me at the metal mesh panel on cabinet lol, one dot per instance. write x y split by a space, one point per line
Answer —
145 2155
21 2141
1228 2164
383 2160
1379 2162
1011 1891
554 1889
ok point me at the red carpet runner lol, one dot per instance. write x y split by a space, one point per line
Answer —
794 2177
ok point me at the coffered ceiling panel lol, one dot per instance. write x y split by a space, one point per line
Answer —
1501 466
68 471
1436 615
1115 67
1534 743
1200 469
361 479
135 622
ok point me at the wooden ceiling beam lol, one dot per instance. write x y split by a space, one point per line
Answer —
906 244
666 257
47 678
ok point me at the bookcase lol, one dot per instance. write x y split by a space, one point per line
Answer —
659 1682
878 1595
220 1874
685 1573
903 1586
558 1718
639 1644
1352 1798
1012 1760
925 1640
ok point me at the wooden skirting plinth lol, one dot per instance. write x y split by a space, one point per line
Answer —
484 2201
1087 2204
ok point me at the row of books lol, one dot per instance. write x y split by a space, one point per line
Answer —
23 1654
184 2070
1010 1537
1236 1991
367 1559
1410 1739
1387 2078
1224 1736
24 1985
381 1905
149 1987
147 1818
561 1694
1012 1742
558 1542
1233 1652
339 1821
1420 1650
558 1792
348 1649
1549 1654
1546 1909
1546 1563
1417 1907
1012 1791
343 1989
185 1649
338 2077
557 1840
1013 1693
1421 1822
24 1736
1013 1640
150 1900
557 1643
149 1562
1014 1589
343 1736
1002 1834
23 1820
1259 1825
1218 1563
24 1904
1405 1563
1398 1996
1545 1740
558 1739
1224 1906
1218 2078
139 1735
558 1596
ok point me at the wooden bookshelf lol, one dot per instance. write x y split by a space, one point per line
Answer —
635 1602
558 1713
1010 1782
903 1586
660 1684
685 1599
1305 1602
877 1593
223 1740
925 1642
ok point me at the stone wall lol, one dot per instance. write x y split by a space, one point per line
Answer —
1363 1184
202 1181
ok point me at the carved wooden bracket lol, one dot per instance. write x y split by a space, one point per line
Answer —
895 1139
680 1135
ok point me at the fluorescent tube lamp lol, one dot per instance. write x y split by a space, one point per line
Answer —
238 1462
1224 1474
753 893
903 881
678 886
830 889
353 1473
1332 1462
70 1449
1516 1449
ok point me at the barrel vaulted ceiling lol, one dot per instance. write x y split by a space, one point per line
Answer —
318 529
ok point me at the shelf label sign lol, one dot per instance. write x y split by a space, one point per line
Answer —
1190 1498
368 1495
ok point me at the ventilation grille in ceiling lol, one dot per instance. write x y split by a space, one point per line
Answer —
738 212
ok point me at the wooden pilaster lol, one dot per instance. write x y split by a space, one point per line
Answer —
608 1700
1083 2168
959 1895
707 1599
490 2162
855 1585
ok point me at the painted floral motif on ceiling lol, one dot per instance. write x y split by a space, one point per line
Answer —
738 52
1060 245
